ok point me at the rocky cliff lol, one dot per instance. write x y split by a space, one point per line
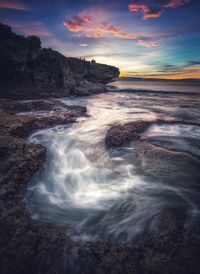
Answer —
29 71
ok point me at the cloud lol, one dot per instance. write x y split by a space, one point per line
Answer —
116 31
154 8
181 73
193 63
89 24
173 68
94 24
189 69
13 5
83 45
146 10
78 22
148 44
175 3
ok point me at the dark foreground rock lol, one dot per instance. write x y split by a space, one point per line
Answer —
23 125
24 246
37 72
120 135
30 247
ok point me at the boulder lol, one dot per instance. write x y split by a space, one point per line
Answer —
120 135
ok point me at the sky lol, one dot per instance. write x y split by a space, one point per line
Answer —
143 38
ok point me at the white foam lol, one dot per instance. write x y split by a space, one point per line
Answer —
189 131
86 190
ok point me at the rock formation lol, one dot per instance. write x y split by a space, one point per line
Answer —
120 135
29 71
24 243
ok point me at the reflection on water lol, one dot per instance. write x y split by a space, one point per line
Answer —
118 195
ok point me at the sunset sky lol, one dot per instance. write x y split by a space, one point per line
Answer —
145 38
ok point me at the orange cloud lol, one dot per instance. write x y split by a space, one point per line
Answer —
116 31
146 10
148 44
176 3
154 8
78 22
89 25
138 7
72 26
152 14
13 5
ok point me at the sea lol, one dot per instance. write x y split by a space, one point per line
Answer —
148 186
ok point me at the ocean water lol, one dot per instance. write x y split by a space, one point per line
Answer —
185 86
148 186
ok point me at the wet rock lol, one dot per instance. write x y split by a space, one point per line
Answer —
17 152
19 161
21 126
122 134
88 88
38 105
30 247
27 247
37 72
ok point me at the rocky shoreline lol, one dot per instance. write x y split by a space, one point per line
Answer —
23 243
38 72
30 247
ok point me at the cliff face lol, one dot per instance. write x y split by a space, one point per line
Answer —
29 71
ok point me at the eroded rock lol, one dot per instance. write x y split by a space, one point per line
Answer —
27 247
21 126
120 135
30 247
37 72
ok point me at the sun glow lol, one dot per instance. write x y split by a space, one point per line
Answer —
185 73
123 73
